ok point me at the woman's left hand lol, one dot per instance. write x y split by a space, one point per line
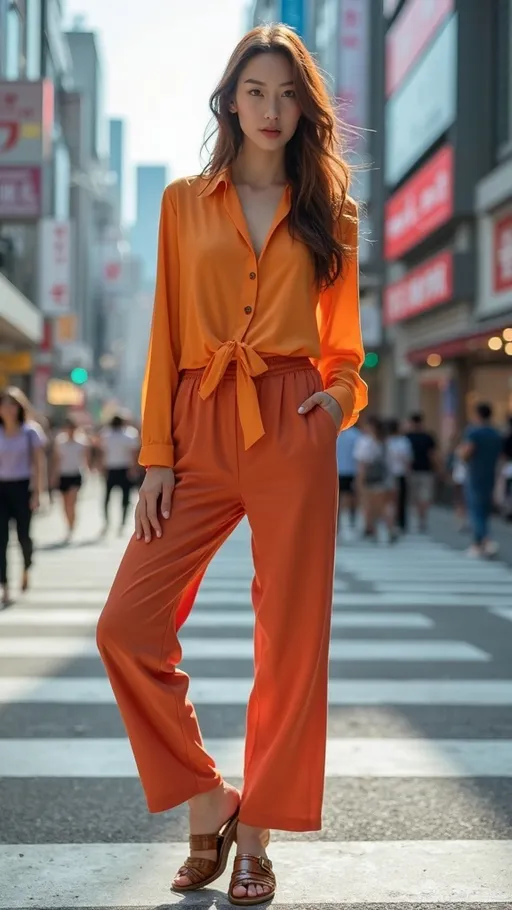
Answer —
34 502
325 401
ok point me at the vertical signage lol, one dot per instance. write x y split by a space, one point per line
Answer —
54 266
352 87
293 13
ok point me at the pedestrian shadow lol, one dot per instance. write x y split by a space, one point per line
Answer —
73 545
208 899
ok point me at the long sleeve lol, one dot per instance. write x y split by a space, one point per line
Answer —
339 325
161 375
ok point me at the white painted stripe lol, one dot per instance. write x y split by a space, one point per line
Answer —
75 616
308 874
468 587
503 612
242 649
348 600
94 758
382 692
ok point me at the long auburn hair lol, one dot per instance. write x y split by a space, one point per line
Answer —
315 168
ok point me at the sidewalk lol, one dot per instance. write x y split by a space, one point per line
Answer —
442 528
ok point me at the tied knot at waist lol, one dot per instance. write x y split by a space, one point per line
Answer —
248 364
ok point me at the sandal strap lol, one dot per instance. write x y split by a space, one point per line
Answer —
200 842
196 868
252 870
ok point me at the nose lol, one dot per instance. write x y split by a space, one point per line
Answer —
272 113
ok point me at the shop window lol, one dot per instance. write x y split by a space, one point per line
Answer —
14 63
33 38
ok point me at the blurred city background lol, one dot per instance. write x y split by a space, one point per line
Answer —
432 146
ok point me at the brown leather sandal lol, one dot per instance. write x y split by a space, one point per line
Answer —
203 871
252 870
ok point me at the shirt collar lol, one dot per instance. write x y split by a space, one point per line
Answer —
221 178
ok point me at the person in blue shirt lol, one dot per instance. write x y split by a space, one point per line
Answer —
481 449
347 471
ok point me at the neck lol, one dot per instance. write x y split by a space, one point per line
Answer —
257 168
10 426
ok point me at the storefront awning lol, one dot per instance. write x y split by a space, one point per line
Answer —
21 323
463 344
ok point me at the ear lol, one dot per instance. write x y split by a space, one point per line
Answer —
232 107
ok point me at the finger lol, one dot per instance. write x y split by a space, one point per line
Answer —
152 515
310 403
166 500
138 523
145 525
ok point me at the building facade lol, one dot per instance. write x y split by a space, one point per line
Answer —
151 182
446 301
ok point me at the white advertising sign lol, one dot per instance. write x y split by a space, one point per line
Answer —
54 266
424 107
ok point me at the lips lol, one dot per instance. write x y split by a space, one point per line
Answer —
269 132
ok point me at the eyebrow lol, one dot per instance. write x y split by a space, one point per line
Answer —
257 82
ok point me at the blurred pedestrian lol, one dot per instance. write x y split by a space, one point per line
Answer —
20 477
347 472
507 473
458 474
423 469
253 368
373 477
70 462
400 456
119 447
481 450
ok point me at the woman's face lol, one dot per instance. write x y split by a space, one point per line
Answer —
9 409
266 103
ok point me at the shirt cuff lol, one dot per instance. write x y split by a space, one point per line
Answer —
345 400
157 454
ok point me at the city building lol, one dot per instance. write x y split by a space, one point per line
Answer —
34 187
151 182
447 299
116 164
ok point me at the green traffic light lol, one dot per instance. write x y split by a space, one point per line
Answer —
371 360
79 375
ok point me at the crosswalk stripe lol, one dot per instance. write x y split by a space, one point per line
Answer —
242 648
397 758
342 692
309 874
503 612
75 616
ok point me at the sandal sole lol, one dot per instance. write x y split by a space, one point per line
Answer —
229 839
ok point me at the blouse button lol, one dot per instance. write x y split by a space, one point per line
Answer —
252 275
248 309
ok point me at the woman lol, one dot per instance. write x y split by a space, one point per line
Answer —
71 459
20 475
253 368
373 478
399 459
119 447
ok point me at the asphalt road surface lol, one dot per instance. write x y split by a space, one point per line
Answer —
418 804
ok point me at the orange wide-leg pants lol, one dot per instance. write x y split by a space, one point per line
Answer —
286 484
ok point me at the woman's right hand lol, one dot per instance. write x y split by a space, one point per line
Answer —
158 481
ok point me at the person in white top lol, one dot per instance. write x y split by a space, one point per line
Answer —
120 445
71 458
373 477
399 454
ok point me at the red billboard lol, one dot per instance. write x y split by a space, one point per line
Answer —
410 35
20 192
424 287
421 206
502 254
